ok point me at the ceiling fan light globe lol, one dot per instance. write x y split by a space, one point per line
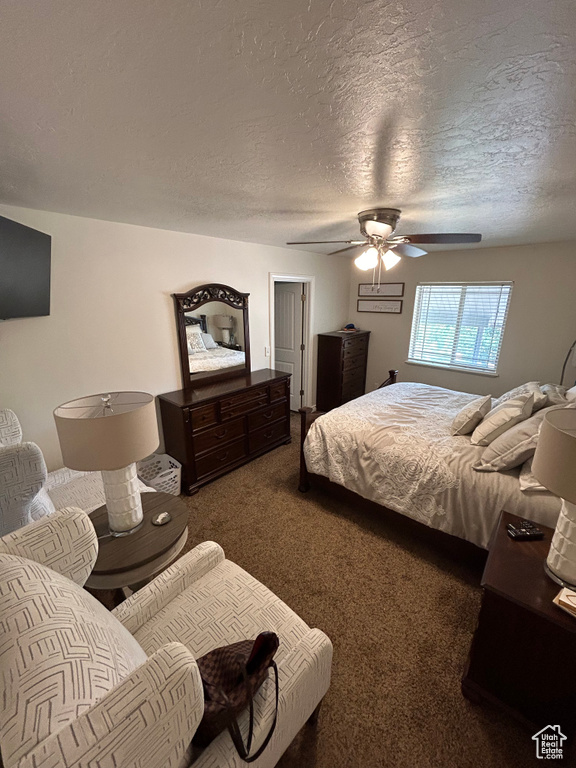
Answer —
390 259
368 259
378 229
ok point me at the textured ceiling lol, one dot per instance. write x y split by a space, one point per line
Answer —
275 120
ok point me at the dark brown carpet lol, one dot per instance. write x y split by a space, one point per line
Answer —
400 613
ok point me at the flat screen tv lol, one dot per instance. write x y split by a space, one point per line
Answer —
24 271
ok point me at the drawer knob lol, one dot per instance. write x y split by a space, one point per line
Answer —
220 435
267 415
224 456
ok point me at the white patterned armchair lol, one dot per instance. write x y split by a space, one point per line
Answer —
85 687
28 492
23 476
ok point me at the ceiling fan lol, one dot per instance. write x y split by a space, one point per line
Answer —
377 226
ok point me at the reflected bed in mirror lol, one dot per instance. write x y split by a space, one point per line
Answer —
212 323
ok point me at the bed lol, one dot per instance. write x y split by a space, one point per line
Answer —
393 447
215 359
208 355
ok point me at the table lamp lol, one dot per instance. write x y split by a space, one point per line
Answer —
226 324
109 433
554 465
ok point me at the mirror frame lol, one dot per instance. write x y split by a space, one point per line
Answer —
191 301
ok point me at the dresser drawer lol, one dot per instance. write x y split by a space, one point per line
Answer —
358 361
236 405
263 437
351 391
218 436
204 416
356 342
279 391
267 416
220 458
358 347
353 377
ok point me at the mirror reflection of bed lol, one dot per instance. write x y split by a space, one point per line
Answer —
215 337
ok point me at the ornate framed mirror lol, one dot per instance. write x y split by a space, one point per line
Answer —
213 333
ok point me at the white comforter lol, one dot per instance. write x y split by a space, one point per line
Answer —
215 359
393 446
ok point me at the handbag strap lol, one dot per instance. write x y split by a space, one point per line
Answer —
234 728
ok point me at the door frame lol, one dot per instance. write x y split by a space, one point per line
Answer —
309 282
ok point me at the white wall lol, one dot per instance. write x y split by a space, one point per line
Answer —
541 322
111 324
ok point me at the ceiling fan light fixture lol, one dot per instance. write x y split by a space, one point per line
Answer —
378 229
368 259
390 259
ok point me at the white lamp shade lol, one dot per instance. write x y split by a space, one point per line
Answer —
554 462
224 322
96 437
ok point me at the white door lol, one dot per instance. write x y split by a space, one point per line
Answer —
288 327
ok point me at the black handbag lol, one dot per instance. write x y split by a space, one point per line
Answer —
231 676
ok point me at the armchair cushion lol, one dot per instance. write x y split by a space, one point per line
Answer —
60 652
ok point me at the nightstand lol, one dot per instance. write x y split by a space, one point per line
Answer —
131 561
523 654
228 345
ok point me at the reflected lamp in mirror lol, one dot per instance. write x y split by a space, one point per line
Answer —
110 433
225 323
554 465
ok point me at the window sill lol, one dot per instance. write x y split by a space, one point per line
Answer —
452 368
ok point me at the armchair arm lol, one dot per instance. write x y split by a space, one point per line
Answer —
147 721
304 675
144 604
64 541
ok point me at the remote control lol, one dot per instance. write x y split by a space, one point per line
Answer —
524 531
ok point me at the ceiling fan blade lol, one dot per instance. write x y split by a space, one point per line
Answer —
349 248
320 242
403 249
445 238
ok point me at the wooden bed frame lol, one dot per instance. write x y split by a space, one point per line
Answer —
452 545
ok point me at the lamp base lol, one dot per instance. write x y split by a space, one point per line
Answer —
561 560
123 503
556 578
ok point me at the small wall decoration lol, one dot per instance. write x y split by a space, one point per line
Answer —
384 289
383 306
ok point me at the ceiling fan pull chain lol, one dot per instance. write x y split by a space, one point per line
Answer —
379 267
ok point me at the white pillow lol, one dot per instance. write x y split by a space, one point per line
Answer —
571 394
501 418
555 394
528 481
209 342
195 342
471 415
531 387
515 446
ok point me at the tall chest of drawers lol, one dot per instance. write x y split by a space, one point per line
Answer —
342 359
212 429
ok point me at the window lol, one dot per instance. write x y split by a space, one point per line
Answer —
459 325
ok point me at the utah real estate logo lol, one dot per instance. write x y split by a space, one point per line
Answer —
549 743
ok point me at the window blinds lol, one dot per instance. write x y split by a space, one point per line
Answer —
459 325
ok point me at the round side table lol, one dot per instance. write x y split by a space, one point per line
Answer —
131 561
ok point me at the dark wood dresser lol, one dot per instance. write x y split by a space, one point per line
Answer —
342 359
215 428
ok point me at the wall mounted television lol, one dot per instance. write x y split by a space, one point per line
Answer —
24 271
